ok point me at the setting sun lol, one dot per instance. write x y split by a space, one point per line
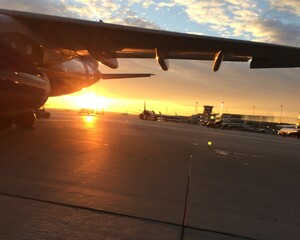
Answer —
86 98
92 101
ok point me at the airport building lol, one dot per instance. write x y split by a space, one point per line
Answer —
242 121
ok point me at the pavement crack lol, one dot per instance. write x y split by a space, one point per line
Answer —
99 211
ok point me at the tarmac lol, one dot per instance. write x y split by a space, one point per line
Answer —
118 177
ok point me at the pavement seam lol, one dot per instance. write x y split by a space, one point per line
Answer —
99 211
187 192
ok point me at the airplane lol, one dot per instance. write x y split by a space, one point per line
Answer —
172 118
43 56
291 130
147 114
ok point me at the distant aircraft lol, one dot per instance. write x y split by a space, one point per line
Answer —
147 114
43 56
291 130
172 118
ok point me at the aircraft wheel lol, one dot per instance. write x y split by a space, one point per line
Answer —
5 123
25 120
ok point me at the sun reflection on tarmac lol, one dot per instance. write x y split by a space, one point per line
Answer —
89 120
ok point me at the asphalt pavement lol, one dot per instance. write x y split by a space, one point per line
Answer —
118 177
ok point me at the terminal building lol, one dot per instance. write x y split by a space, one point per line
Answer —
229 120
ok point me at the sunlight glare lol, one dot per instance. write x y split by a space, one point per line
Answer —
91 101
87 100
89 120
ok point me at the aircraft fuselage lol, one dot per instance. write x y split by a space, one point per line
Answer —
32 70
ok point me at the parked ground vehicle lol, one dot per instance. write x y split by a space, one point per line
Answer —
86 111
42 113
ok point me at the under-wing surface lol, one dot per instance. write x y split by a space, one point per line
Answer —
42 56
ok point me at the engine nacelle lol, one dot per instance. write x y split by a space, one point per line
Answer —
106 58
23 87
22 92
20 39
72 76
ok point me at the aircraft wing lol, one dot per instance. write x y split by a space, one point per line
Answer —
107 42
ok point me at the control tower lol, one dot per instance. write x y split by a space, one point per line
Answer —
207 110
207 113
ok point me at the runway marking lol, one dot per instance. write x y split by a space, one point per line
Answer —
237 154
220 152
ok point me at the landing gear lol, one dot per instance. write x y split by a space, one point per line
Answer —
5 123
25 120
22 120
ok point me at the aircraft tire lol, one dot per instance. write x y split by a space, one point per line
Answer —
25 120
5 123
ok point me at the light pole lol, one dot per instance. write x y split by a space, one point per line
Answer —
281 106
253 108
222 107
97 110
196 108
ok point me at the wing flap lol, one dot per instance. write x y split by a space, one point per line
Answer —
273 63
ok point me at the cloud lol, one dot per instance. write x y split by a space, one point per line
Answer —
245 19
292 6
107 11
140 22
208 12
57 7
275 31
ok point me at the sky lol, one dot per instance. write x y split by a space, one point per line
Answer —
188 84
